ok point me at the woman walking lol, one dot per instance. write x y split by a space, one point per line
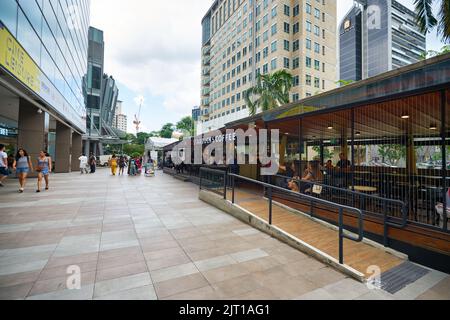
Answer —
44 167
113 165
22 165
122 165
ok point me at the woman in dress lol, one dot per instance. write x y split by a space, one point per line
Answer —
44 168
22 165
113 165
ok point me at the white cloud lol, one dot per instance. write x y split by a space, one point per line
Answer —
154 46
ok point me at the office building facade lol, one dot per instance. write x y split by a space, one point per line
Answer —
121 118
377 36
43 50
244 38
101 95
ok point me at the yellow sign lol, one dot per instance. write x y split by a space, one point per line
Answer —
16 60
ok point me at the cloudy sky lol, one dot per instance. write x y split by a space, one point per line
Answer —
152 48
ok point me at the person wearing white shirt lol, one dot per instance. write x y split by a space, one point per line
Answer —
83 164
3 165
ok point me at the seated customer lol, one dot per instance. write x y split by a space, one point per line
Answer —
329 165
290 171
343 163
293 185
311 175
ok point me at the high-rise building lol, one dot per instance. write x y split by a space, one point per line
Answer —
101 95
43 50
377 36
244 38
121 118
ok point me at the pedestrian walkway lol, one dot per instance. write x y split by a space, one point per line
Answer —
151 238
359 256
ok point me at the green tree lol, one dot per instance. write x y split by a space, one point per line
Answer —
130 137
186 125
167 130
427 21
327 154
271 91
392 153
434 53
132 148
343 83
142 137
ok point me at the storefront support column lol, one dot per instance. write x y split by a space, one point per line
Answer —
77 147
63 148
33 130
444 158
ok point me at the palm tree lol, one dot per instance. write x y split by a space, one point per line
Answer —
271 91
427 21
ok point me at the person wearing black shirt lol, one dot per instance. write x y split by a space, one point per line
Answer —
343 163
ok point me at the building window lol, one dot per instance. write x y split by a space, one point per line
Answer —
308 44
295 63
265 52
273 46
273 64
274 12
308 26
316 47
317 65
296 11
265 68
295 81
295 45
308 8
317 13
316 82
295 97
317 31
286 63
286 45
295 28
308 62
308 80
274 29
287 10
287 27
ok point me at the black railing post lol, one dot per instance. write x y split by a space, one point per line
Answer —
341 236
385 226
225 185
200 182
270 205
232 189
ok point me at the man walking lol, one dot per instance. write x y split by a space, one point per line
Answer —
92 162
3 164
83 163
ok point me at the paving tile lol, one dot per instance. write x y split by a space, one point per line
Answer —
225 273
248 255
173 272
108 287
18 291
58 284
121 271
141 293
214 263
85 293
161 263
179 285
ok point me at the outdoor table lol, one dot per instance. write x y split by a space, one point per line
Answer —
365 189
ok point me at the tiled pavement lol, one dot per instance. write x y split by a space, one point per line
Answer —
151 238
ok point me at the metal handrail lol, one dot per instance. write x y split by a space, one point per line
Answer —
219 172
341 208
386 223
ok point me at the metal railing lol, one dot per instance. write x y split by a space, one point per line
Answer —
229 180
313 200
351 194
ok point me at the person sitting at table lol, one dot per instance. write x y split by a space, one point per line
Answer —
328 166
343 163
311 175
289 171
293 185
